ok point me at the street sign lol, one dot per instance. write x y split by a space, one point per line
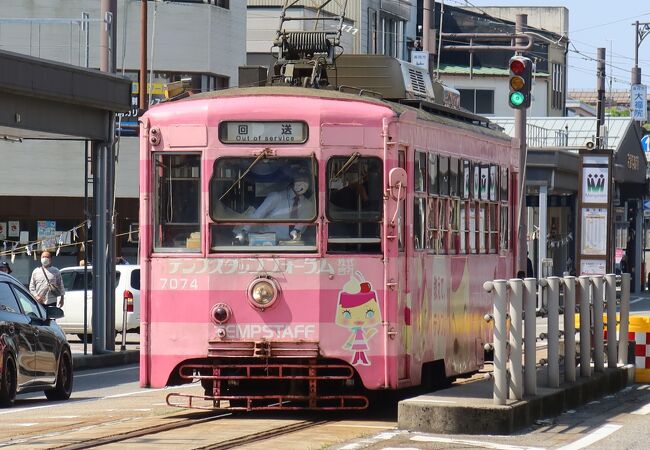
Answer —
645 143
420 59
646 205
639 102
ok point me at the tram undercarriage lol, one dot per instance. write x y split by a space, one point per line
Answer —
271 384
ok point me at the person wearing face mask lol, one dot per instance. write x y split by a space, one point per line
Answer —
283 205
46 283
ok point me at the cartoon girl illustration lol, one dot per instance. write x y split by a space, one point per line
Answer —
358 310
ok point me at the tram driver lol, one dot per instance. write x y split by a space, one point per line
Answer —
283 205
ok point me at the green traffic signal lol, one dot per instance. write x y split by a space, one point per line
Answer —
517 98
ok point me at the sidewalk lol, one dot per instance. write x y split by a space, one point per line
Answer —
469 408
81 361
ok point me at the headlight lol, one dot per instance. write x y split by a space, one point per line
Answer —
262 292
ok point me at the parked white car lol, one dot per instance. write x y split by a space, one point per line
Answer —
126 285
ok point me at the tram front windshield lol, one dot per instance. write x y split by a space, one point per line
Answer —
263 204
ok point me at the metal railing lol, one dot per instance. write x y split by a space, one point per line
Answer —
537 136
515 301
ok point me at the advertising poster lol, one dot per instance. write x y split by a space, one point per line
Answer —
594 231
595 182
3 230
45 228
13 228
592 267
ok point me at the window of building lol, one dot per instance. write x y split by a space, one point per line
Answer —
478 101
557 86
177 198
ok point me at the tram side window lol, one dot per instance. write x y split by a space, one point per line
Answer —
177 199
419 223
420 172
419 202
433 174
503 214
453 177
443 175
354 204
454 227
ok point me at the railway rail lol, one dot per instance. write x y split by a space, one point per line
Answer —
186 426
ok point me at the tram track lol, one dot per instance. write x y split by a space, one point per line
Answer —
186 425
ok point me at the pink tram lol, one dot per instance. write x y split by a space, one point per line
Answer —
304 248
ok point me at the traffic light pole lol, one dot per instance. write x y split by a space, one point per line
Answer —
520 140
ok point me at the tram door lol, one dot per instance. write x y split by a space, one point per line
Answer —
397 288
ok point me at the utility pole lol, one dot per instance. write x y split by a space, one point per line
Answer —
520 137
600 86
107 35
103 156
143 55
641 30
426 31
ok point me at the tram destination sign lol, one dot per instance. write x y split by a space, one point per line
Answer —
263 132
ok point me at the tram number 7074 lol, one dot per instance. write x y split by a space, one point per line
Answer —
179 283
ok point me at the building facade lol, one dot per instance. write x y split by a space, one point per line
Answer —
370 26
481 77
42 183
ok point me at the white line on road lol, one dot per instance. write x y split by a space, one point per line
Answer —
107 371
481 444
642 411
16 410
597 435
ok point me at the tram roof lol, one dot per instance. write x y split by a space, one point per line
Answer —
424 110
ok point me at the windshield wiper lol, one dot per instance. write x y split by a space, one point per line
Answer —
266 152
347 164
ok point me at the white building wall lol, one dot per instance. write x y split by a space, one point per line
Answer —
188 37
501 92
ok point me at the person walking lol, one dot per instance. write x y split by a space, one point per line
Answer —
46 283
5 267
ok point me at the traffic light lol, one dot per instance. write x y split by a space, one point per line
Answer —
520 81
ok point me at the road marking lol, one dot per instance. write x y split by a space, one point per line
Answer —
15 410
73 401
106 372
597 435
481 444
642 411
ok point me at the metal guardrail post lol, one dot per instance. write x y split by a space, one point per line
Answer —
625 318
553 331
515 338
569 329
530 338
585 326
599 344
610 298
499 287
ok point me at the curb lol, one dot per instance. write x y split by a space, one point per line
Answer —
448 413
84 362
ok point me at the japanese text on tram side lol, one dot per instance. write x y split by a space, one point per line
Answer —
271 331
306 266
